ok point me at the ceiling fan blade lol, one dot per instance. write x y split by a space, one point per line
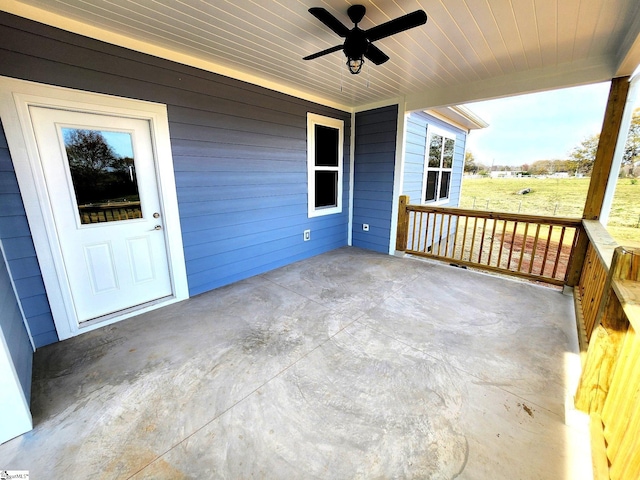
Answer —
324 52
398 25
329 20
376 55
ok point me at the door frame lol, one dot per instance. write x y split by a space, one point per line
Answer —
16 96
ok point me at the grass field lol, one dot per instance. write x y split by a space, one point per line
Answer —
560 197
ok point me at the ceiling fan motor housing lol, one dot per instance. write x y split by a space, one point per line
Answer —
356 44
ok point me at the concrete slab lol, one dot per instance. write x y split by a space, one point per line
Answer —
347 365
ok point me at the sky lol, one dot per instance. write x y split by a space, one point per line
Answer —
120 142
537 126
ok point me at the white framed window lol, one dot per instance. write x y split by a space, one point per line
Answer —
439 154
325 140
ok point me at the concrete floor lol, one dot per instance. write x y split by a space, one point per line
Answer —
347 365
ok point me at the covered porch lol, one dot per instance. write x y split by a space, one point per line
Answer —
351 364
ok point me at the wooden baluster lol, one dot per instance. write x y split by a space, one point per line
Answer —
484 227
546 249
493 235
524 246
513 237
504 228
560 245
534 248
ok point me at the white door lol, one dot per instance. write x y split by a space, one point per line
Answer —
101 181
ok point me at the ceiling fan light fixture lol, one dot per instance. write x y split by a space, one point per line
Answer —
358 43
355 64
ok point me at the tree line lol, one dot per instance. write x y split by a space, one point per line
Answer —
578 162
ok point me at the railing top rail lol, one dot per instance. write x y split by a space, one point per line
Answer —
602 242
515 217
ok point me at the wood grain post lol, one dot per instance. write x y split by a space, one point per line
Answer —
402 232
576 259
606 147
601 172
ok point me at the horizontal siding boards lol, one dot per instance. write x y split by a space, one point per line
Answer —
375 152
458 169
20 253
416 140
415 143
14 332
239 150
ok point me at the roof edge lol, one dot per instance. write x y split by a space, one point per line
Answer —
460 116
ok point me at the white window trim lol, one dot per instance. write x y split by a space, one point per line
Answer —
313 120
445 134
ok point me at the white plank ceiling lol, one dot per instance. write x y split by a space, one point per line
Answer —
468 49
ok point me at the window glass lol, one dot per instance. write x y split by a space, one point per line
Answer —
447 156
326 189
435 151
432 181
444 185
326 146
103 174
439 163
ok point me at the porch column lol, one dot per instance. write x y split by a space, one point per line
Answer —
602 172
634 87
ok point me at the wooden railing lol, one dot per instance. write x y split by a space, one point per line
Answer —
529 246
609 388
566 251
590 289
109 212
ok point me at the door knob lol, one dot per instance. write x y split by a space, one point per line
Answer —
158 227
156 215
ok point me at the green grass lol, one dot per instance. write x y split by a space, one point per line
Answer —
560 197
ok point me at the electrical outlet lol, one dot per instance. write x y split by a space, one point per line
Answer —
365 227
306 235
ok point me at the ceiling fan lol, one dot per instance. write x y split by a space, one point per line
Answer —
358 43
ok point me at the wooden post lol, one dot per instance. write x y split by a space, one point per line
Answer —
606 148
402 232
601 171
576 260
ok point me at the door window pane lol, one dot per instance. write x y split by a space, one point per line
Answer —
103 175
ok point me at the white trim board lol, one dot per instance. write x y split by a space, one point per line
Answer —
15 98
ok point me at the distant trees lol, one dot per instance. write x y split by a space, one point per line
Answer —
632 148
472 167
97 171
580 160
585 154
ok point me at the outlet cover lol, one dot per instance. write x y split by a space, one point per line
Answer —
365 227
306 235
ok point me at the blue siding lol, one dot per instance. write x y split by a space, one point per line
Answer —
239 154
415 142
14 331
374 166
20 252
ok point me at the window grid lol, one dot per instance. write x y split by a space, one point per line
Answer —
439 153
325 139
